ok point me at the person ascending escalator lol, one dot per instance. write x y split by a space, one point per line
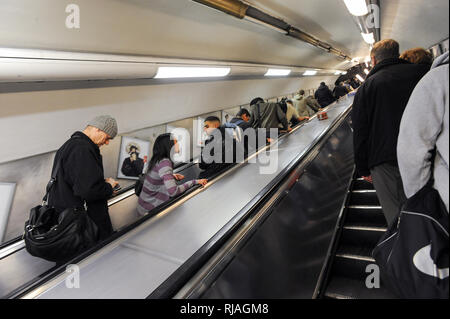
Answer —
160 181
324 95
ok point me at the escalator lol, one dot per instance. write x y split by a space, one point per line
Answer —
362 226
155 256
281 250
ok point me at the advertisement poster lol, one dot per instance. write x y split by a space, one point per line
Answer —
134 156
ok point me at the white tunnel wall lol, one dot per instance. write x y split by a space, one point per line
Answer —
36 122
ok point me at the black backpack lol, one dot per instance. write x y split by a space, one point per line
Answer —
413 255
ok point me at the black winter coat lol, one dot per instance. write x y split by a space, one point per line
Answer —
378 109
339 91
80 178
212 169
324 96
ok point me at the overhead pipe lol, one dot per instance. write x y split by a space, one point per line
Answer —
235 8
242 10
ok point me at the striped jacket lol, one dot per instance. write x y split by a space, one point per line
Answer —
160 186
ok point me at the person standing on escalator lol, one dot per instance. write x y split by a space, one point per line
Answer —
160 184
324 95
377 112
306 106
80 178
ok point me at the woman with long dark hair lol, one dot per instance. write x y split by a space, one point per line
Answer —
160 182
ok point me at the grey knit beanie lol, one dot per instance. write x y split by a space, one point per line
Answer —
105 123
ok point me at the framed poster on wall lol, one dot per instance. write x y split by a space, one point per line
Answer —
6 199
133 158
200 132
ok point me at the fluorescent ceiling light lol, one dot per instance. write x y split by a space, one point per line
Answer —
170 72
366 71
357 7
368 37
359 77
277 72
310 72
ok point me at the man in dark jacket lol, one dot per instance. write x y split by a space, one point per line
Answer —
209 163
80 177
377 112
324 95
242 120
340 91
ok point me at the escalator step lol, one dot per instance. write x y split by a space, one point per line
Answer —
346 288
351 261
360 184
364 197
360 234
367 215
360 252
365 227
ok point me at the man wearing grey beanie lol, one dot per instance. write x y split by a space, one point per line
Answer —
80 179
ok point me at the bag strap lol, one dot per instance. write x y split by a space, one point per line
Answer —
55 174
51 182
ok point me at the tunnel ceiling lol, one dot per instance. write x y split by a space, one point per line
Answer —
415 23
183 28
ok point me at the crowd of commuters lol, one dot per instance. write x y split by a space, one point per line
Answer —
400 116
81 181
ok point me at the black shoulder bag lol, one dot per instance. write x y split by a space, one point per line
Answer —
58 236
413 255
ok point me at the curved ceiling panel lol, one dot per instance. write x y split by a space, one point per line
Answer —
180 28
415 23
186 29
